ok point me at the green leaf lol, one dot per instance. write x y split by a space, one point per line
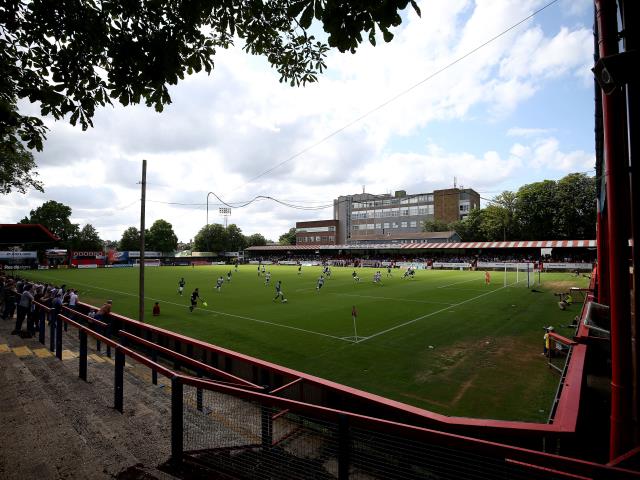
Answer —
416 8
307 17
296 7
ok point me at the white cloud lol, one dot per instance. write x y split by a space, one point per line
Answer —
222 130
527 132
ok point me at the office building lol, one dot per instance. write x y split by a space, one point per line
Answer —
366 216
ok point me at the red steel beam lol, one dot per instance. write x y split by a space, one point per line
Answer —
616 172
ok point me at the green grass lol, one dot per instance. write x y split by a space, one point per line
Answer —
445 341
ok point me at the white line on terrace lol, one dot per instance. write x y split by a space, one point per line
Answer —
428 315
213 311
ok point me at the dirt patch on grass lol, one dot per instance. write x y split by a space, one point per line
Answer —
466 363
558 286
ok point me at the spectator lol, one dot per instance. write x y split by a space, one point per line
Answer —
24 307
10 294
104 310
156 309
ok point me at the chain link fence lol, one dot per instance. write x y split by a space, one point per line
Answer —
248 439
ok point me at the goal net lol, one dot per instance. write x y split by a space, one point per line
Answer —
519 274
149 262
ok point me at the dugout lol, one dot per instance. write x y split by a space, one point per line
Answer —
20 243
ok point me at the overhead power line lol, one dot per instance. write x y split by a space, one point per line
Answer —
399 95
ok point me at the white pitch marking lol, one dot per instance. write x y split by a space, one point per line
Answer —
216 312
464 281
389 298
429 315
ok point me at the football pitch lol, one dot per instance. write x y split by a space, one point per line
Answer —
444 341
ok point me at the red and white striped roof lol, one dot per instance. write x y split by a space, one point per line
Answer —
442 245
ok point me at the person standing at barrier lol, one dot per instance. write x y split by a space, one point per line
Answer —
24 307
9 299
56 303
104 310
73 300
547 341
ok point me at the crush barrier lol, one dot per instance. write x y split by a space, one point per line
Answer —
234 431
254 432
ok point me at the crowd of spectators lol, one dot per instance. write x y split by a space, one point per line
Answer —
17 296
377 260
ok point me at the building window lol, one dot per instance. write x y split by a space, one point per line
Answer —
413 224
404 201
386 225
404 212
430 197
403 224
394 225
413 211
378 226
355 227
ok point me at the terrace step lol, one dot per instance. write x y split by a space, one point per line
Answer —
55 425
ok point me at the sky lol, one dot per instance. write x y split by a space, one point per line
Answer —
516 111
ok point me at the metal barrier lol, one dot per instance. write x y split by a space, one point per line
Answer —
248 432
255 435
322 392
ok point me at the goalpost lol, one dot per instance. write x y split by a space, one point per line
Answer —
519 274
149 262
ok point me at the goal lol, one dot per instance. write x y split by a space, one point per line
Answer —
149 262
519 274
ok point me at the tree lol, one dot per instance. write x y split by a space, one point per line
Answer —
256 240
16 165
56 217
110 245
71 57
470 228
288 238
236 241
161 237
536 207
87 239
576 218
435 226
130 240
211 238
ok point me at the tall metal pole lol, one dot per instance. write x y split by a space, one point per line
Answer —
617 206
208 207
142 204
630 12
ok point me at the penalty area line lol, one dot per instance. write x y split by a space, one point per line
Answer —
217 312
390 298
429 315
463 281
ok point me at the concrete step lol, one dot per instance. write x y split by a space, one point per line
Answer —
57 426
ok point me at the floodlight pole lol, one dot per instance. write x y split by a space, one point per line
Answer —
225 212
142 204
